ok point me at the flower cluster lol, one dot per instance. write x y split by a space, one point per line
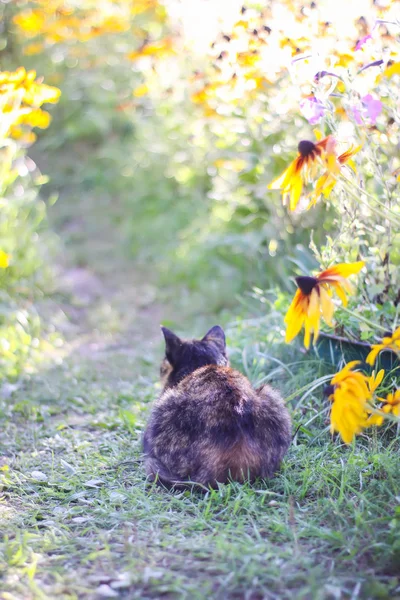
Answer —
22 95
354 405
52 22
65 29
311 44
21 98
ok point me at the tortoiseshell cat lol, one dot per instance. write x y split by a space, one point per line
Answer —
209 425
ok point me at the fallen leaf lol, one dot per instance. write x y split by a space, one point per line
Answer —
39 476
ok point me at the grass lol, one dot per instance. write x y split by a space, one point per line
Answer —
78 520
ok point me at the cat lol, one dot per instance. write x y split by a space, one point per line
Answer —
209 424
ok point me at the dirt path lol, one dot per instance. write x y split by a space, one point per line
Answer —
112 305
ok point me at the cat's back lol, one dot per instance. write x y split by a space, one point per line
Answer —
213 382
209 388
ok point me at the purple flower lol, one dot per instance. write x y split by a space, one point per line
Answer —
357 115
312 109
363 41
372 107
369 110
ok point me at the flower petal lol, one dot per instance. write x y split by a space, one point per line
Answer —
328 308
283 180
371 358
342 270
295 316
295 193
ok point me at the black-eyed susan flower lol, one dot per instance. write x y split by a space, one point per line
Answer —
389 342
301 171
314 298
350 395
328 179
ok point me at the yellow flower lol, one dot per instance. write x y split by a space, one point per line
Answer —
18 78
374 419
297 46
207 92
233 164
39 93
111 24
141 90
393 69
374 381
22 96
300 171
344 59
313 298
27 138
350 398
160 49
35 93
35 118
30 22
34 48
327 181
4 259
141 6
392 403
248 59
389 342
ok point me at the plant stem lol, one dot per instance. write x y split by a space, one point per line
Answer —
309 387
364 319
365 193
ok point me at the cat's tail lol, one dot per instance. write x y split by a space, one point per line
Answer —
158 473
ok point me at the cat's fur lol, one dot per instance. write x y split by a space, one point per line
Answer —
209 425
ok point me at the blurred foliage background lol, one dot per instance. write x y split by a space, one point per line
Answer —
182 113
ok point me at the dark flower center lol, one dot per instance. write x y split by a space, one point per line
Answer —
306 284
328 390
306 148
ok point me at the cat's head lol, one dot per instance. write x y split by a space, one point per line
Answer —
182 357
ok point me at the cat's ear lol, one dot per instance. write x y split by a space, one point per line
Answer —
172 344
216 335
